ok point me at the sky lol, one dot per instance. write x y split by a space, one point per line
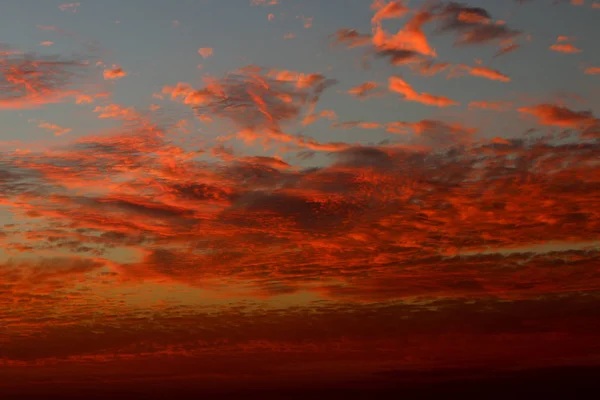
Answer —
268 195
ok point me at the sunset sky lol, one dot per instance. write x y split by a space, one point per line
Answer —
267 195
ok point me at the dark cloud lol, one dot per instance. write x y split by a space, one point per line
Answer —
28 80
473 25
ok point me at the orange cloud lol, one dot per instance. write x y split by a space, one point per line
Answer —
248 193
410 44
473 25
189 95
397 84
205 52
357 124
87 98
429 133
115 73
307 22
410 38
264 2
329 114
592 70
69 7
483 72
30 81
564 48
56 129
391 10
499 140
117 111
553 115
561 39
361 237
507 49
439 134
365 90
253 258
46 43
270 99
491 105
351 38
429 68
473 16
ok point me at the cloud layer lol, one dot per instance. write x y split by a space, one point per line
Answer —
265 224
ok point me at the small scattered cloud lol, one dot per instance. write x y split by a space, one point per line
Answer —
205 52
114 73
116 111
592 70
565 48
399 85
364 90
491 105
264 2
480 71
561 45
351 38
555 115
69 7
392 10
54 128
